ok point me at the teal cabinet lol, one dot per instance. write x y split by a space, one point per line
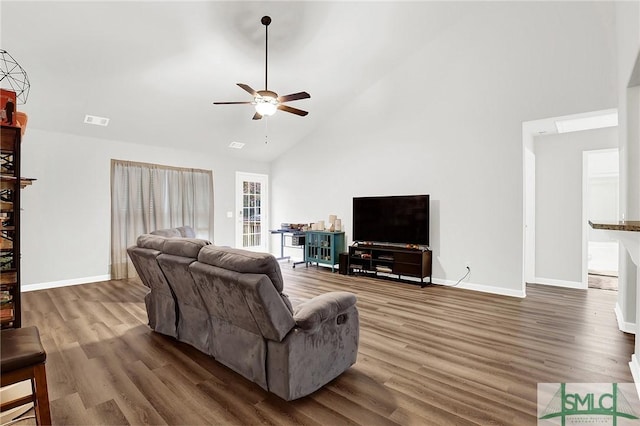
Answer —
322 247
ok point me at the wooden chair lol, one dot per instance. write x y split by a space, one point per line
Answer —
23 358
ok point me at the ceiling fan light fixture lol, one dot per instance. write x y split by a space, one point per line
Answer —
267 102
266 105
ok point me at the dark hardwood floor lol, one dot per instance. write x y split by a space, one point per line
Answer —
441 356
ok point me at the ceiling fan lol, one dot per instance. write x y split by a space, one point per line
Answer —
266 102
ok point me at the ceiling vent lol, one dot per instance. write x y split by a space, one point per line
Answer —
236 145
95 120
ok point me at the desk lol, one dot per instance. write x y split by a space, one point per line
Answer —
291 233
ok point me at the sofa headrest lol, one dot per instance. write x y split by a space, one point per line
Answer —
181 231
185 247
243 261
149 241
172 232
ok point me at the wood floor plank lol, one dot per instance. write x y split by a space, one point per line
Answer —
118 310
427 356
69 410
320 412
90 376
352 410
194 398
87 337
280 412
161 396
107 413
140 346
173 352
360 389
133 404
409 418
235 405
60 379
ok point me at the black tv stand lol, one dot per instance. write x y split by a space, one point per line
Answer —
374 259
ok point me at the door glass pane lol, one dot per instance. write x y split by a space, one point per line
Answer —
252 224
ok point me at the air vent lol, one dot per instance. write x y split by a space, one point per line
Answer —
236 145
95 120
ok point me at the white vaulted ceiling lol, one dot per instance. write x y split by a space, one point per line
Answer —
155 68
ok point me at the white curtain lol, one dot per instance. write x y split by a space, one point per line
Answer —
146 197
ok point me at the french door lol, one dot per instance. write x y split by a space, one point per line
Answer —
252 202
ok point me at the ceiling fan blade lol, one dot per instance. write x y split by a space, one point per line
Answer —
257 116
248 89
294 97
292 110
231 103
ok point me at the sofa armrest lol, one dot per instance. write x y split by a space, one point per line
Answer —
310 315
304 361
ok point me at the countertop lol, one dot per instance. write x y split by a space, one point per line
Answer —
627 225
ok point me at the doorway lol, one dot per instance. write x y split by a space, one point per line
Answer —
252 199
549 270
601 179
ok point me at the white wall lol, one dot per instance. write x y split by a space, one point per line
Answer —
559 202
66 212
447 121
628 46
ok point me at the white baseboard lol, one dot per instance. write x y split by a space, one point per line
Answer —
627 327
98 278
465 285
560 283
64 283
634 365
482 288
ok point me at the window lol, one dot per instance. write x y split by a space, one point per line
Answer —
146 197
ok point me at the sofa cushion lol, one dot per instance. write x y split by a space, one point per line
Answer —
169 233
181 231
243 261
186 247
186 231
149 241
248 301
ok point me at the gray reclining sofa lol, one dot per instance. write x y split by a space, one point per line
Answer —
228 303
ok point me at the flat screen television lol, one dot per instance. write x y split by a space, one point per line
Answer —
393 219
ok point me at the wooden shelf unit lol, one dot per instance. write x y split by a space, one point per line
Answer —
395 260
10 185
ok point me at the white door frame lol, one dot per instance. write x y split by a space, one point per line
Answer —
264 210
530 216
